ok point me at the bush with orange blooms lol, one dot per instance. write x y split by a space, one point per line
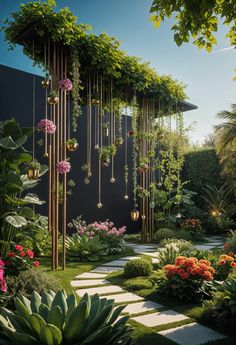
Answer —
188 278
225 265
193 226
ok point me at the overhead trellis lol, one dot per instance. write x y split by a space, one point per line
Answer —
93 71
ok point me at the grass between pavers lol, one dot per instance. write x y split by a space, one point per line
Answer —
193 310
73 269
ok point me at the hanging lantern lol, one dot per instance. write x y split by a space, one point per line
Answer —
72 145
143 217
45 83
126 197
95 101
33 173
105 131
112 180
45 155
99 205
134 215
53 98
119 141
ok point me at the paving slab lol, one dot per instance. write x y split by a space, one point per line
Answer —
100 290
105 269
141 307
161 318
116 263
202 247
197 333
124 297
214 243
128 258
155 260
89 275
90 282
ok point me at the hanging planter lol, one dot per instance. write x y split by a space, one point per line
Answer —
119 141
143 166
105 129
105 161
53 98
72 145
106 152
33 170
45 83
134 215
95 101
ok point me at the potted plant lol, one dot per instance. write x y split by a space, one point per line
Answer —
106 152
72 144
53 97
105 129
33 170
119 141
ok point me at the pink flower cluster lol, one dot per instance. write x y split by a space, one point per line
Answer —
47 126
3 285
107 228
65 84
63 167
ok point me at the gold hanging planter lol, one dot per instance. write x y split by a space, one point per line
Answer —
45 83
134 215
53 98
33 173
72 147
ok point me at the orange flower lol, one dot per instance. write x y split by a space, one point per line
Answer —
229 258
233 264
224 256
207 276
179 260
206 262
222 262
189 262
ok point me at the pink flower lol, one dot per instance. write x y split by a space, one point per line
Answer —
30 254
63 167
22 254
65 84
11 254
19 248
47 126
36 263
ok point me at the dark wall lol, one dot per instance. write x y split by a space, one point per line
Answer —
16 101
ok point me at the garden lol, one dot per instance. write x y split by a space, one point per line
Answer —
165 275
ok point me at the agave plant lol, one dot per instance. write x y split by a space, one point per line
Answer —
217 199
85 248
54 319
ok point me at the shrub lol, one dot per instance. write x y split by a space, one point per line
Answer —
193 227
230 244
107 233
167 255
163 234
84 248
138 284
19 259
137 268
188 279
57 319
183 235
224 266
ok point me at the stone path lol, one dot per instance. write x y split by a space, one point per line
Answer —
145 312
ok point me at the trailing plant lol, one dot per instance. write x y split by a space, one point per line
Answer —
84 248
69 190
106 153
137 268
57 319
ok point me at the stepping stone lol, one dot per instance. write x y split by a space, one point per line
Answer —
100 290
88 275
197 333
124 297
116 263
105 269
141 307
128 258
214 243
155 260
161 318
90 282
202 247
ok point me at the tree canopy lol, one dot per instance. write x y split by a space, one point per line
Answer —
197 19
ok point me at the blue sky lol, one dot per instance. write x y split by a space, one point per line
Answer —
208 76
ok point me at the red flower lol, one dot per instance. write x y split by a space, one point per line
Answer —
30 254
36 263
19 247
11 254
231 253
22 254
233 264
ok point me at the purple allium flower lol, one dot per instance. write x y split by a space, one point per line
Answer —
63 167
65 84
47 126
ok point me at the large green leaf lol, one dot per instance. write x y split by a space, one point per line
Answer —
16 221
8 143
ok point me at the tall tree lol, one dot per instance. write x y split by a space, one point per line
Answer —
197 19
